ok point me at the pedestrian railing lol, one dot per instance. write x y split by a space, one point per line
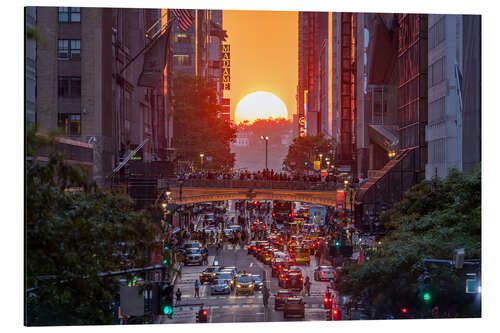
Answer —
262 184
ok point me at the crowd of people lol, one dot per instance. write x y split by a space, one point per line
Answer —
265 174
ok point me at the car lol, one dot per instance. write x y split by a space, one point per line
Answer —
220 286
280 298
263 251
227 276
294 307
251 247
208 274
292 280
257 281
324 273
244 285
193 256
275 266
235 227
258 247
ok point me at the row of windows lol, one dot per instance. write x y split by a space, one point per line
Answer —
437 72
69 14
70 123
437 151
182 38
69 86
182 59
437 110
68 49
437 33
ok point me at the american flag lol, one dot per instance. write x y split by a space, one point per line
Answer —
184 17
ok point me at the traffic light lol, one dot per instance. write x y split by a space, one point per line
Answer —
404 310
166 300
164 260
337 243
424 287
305 163
202 316
328 301
133 281
336 314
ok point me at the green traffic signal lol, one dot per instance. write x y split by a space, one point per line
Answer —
167 310
337 243
165 261
305 163
426 296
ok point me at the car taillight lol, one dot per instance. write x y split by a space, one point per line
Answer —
263 227
326 299
278 297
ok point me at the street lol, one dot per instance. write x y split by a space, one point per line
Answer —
232 308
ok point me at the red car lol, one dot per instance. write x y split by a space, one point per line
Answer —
251 247
281 297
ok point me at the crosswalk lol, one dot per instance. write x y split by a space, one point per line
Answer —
187 308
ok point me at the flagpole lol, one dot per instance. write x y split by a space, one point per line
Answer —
169 22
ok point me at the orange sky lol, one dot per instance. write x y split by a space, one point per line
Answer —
263 54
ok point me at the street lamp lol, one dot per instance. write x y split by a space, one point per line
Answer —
391 154
201 159
266 138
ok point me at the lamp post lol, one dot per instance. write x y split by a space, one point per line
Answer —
201 160
266 138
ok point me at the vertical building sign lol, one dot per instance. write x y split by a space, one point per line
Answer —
303 117
226 67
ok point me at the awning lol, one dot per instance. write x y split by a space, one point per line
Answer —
386 136
365 187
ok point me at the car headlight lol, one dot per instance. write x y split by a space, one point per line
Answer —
238 286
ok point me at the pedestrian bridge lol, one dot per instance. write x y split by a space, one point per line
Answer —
207 190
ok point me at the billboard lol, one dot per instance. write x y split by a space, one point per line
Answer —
226 67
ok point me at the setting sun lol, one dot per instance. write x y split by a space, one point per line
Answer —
260 105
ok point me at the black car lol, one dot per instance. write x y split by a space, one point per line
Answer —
294 281
281 297
251 247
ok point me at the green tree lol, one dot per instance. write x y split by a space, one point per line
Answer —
434 218
306 149
197 126
71 236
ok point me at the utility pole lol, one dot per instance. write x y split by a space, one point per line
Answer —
266 138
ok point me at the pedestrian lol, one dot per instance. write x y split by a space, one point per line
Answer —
307 286
178 295
196 289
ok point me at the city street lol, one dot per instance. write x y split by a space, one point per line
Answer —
243 308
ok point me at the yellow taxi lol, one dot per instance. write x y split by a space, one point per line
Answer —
245 284
302 255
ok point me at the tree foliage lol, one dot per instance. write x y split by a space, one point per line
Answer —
434 218
197 127
306 149
71 236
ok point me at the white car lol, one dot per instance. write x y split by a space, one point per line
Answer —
220 287
324 273
193 256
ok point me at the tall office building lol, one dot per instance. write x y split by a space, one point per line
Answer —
30 66
312 109
87 84
454 50
344 80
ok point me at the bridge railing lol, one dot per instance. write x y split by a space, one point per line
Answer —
262 184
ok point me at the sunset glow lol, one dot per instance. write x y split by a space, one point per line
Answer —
260 105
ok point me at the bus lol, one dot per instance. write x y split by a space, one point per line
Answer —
282 211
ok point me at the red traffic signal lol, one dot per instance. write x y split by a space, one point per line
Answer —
404 310
336 314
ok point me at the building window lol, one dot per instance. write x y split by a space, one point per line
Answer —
68 49
69 86
437 151
437 110
75 49
70 123
75 14
69 14
182 38
63 14
63 49
437 71
182 59
437 33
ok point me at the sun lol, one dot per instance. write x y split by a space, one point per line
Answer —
260 105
